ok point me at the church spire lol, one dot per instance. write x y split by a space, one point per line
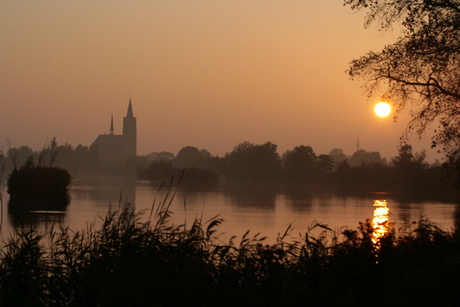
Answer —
111 125
129 128
130 109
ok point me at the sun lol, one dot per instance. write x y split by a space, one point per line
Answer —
382 109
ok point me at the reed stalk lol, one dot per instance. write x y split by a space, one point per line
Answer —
131 262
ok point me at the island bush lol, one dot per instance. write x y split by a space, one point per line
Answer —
38 182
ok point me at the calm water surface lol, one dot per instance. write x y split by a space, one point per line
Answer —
263 208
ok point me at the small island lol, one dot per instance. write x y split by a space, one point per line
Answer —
38 183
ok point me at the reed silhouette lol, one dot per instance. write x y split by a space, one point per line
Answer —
142 258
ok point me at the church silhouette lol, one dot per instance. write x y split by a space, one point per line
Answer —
114 150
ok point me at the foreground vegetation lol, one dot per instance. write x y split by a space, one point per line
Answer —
141 259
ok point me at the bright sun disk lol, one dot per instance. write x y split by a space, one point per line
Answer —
382 109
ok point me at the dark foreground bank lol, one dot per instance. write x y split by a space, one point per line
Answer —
132 263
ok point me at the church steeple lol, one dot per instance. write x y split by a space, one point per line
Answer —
130 109
111 126
129 128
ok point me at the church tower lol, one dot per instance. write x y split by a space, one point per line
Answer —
129 129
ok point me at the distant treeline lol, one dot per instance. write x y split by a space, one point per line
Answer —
81 158
249 162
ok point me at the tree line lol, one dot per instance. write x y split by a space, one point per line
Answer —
78 159
249 162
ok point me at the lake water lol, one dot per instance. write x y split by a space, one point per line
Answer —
258 208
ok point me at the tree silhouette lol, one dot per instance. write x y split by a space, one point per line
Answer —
249 162
421 68
362 156
338 155
404 156
324 164
299 163
190 156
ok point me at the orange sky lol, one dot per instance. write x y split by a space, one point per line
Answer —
204 73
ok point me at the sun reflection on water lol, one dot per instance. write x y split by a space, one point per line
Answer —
380 222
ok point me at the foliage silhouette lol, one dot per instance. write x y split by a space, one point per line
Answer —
132 261
37 182
253 162
420 69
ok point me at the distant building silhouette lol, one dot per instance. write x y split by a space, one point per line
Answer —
114 150
129 129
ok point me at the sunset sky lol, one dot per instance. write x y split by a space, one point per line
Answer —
209 74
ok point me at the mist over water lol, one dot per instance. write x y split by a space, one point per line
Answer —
265 209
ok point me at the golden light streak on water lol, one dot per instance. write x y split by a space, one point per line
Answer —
380 222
